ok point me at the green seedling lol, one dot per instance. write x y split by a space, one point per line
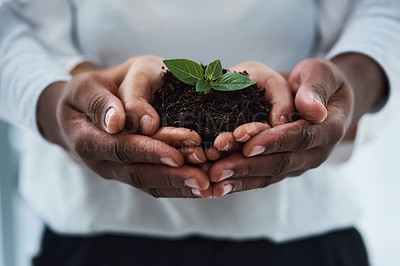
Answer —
192 73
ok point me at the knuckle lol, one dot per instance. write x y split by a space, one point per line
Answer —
276 146
255 165
135 178
146 148
96 104
170 179
278 141
147 155
120 153
242 185
245 170
307 138
155 193
281 166
265 181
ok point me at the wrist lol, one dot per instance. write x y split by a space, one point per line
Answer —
46 112
367 80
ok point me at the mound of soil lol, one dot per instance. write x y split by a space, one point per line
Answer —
179 105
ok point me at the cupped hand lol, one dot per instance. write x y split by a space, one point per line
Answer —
85 117
325 100
138 79
277 93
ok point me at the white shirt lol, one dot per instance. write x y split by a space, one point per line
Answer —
72 199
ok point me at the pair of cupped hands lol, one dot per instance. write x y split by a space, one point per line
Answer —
87 115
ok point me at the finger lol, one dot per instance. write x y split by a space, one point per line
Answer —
268 165
278 93
314 81
213 154
298 135
205 167
206 193
144 78
94 96
246 131
304 135
194 155
277 90
146 176
225 142
91 143
171 193
178 137
179 193
234 185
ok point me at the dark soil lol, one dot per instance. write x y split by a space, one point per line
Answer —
179 105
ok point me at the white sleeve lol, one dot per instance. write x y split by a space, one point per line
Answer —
55 29
26 69
373 29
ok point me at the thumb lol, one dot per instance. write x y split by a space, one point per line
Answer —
313 81
94 96
311 104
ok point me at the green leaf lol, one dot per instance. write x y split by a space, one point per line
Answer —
213 70
185 70
203 85
232 82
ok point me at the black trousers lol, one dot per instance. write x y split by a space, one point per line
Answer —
344 247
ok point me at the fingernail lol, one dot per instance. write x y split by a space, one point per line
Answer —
109 114
227 188
168 161
196 192
226 147
196 158
244 138
256 151
284 119
319 101
146 124
225 174
192 183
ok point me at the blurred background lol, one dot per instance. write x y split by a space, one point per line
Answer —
379 185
